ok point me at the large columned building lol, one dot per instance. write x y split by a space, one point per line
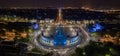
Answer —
60 34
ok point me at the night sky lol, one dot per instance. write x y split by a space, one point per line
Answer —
61 3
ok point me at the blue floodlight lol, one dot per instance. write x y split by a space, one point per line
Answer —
96 27
36 26
60 38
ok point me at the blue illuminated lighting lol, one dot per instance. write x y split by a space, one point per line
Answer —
74 40
96 27
47 40
60 38
36 26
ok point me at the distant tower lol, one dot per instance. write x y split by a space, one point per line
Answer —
59 17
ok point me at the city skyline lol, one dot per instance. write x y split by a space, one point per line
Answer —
98 4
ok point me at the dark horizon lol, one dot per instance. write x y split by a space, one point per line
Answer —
97 4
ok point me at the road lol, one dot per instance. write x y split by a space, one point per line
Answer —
65 52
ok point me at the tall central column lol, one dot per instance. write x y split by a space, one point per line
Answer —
60 14
59 17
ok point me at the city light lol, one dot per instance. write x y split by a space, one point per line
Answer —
62 31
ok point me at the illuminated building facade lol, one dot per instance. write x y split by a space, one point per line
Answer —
60 38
